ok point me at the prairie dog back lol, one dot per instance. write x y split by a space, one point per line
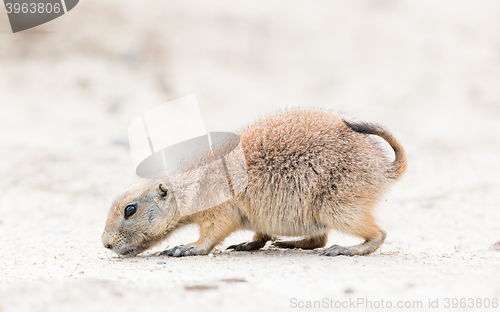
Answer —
312 163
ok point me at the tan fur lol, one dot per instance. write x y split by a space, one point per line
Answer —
309 171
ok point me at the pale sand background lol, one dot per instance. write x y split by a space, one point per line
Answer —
428 70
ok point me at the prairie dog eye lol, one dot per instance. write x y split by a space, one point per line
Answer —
130 210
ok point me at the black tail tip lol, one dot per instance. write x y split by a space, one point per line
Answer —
362 127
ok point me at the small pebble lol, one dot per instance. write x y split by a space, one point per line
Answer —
200 287
161 262
496 246
234 280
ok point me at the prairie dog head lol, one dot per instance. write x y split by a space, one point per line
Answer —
141 217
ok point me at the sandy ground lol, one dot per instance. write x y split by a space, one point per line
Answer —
428 70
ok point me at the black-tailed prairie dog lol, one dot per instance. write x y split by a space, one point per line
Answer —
309 171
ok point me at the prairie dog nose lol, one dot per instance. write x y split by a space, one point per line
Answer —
105 240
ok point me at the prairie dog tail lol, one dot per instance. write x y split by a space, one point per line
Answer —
400 163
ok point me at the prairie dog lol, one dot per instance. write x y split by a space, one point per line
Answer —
309 171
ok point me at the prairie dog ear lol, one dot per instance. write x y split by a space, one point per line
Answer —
162 189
